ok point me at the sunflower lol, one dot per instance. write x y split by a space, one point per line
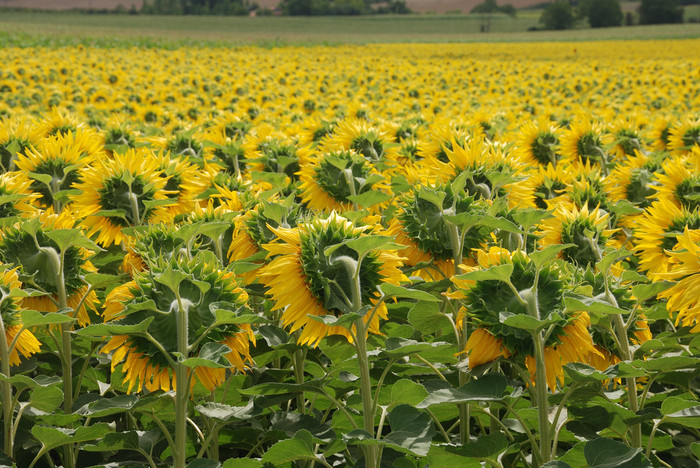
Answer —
679 182
303 281
57 122
328 180
486 300
421 226
627 139
491 172
269 151
16 136
26 344
54 166
16 196
656 235
28 245
548 184
684 296
153 242
537 143
585 142
660 134
201 292
587 228
634 180
684 136
375 144
183 185
255 228
127 190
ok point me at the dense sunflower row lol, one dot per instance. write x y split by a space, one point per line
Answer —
224 188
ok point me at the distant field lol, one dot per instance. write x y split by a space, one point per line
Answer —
420 6
69 28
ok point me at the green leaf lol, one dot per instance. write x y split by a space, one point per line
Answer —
412 430
609 259
231 314
46 399
667 363
53 437
171 278
108 406
116 441
527 322
608 453
546 255
369 198
226 413
407 392
695 448
32 318
101 280
396 346
242 463
345 320
530 217
365 244
576 303
281 388
43 178
211 355
432 196
490 387
675 404
298 448
581 373
274 335
556 464
485 448
23 381
497 272
427 318
393 290
203 463
646 291
689 417
66 238
106 329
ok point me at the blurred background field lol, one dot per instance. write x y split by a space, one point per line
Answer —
67 28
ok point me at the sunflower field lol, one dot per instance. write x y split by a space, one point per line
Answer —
405 255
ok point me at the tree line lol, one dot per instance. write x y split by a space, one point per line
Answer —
564 14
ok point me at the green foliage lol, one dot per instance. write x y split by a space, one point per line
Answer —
601 13
660 12
557 15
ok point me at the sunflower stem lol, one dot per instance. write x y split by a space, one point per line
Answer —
299 357
542 398
365 391
182 387
66 349
626 355
7 404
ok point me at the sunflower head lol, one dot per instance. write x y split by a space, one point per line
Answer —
538 143
329 180
588 229
202 289
10 308
317 270
422 221
685 136
125 191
